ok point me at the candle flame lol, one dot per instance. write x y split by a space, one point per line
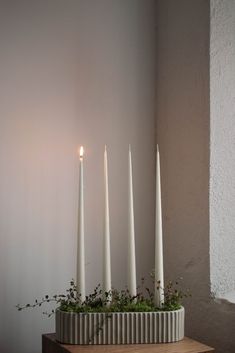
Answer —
81 152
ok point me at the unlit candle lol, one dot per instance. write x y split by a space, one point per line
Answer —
106 239
131 233
159 273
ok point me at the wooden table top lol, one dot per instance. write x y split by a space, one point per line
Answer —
187 345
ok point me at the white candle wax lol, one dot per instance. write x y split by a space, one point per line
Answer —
159 274
80 242
131 234
106 239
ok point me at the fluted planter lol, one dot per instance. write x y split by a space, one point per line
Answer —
120 328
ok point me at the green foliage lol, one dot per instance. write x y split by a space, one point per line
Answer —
113 301
173 296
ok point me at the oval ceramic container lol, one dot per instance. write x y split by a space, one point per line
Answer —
120 328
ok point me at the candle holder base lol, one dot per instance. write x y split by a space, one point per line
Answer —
119 328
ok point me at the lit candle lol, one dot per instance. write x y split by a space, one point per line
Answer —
159 275
80 242
106 240
131 234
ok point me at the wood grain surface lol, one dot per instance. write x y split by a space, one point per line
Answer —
187 345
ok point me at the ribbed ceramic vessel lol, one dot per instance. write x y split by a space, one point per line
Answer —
120 328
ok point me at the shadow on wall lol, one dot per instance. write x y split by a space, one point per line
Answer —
183 134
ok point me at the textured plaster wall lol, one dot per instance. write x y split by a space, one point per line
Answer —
183 133
222 160
72 72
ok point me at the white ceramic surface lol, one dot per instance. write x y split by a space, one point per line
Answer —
119 328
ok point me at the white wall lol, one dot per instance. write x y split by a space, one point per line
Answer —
222 161
183 133
72 72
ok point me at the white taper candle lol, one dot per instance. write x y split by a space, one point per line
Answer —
159 273
106 239
80 243
131 233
